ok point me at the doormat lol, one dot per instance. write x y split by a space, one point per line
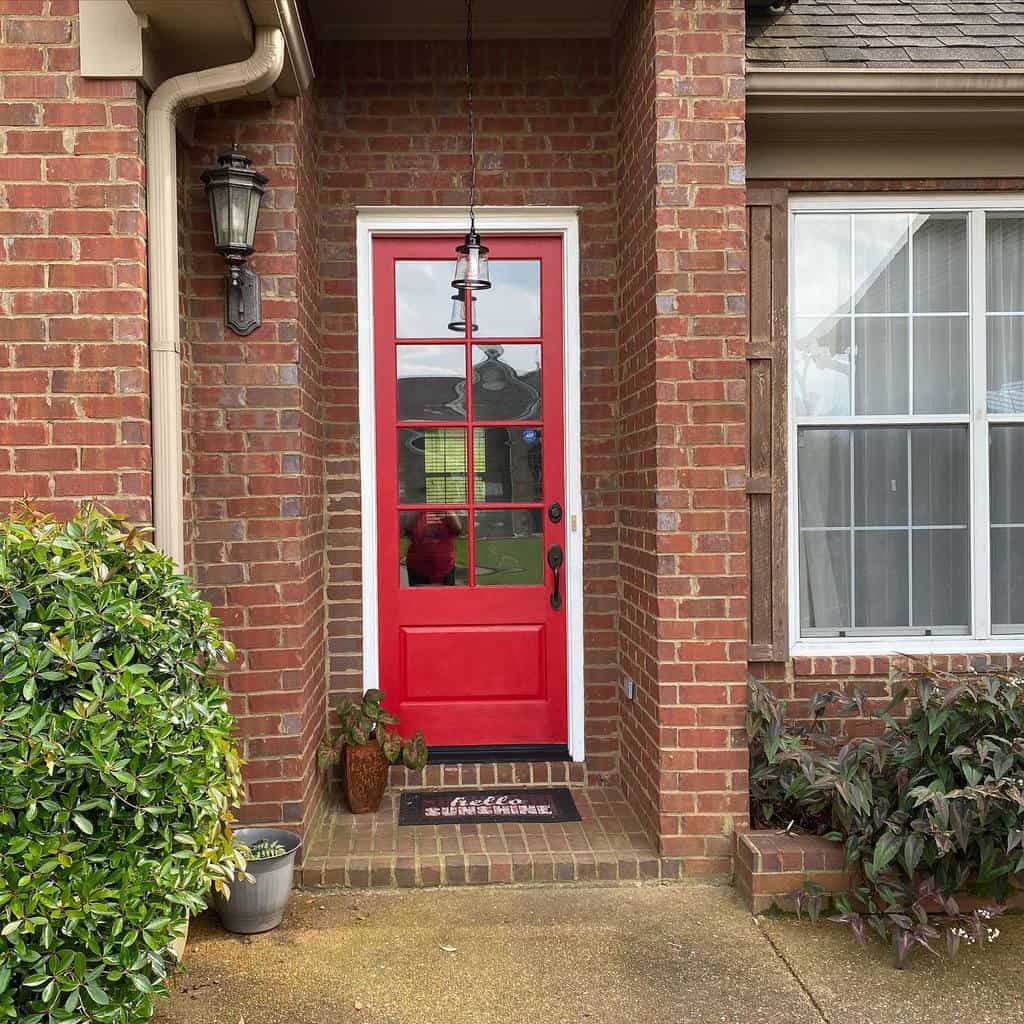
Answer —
476 806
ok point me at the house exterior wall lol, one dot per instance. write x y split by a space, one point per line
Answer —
643 133
74 369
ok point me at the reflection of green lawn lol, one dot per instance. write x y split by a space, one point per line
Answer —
515 561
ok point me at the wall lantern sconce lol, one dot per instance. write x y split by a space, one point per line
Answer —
235 193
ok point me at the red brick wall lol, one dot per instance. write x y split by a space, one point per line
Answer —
702 330
74 368
254 442
636 186
394 133
683 534
798 679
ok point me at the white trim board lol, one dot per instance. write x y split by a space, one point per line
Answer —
982 639
376 221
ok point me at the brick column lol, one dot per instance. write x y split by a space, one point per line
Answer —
684 531
254 441
74 380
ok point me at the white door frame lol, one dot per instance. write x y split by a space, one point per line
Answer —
376 221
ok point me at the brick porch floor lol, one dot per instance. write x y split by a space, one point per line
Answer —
371 850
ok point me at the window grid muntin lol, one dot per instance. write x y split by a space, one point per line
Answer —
977 419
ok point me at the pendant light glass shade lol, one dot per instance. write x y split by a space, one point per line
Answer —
472 272
457 320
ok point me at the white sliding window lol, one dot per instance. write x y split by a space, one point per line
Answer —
906 393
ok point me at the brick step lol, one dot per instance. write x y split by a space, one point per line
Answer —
608 845
481 775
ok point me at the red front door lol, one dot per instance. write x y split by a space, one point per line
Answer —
470 494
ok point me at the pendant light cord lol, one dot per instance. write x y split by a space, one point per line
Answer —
472 122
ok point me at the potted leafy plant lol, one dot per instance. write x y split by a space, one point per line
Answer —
255 901
369 747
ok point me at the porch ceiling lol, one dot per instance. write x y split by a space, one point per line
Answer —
445 19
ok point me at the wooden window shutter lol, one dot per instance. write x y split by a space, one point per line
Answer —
767 221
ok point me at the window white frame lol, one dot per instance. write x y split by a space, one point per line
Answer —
981 640
563 222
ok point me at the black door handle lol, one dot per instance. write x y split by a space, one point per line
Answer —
556 558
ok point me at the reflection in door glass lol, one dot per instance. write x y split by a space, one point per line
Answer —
423 297
432 465
509 547
506 382
432 548
508 464
510 308
431 382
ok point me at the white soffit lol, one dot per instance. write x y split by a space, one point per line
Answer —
446 19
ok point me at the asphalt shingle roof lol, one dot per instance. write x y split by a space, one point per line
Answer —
889 33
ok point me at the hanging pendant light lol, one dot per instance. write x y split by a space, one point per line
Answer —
471 269
457 319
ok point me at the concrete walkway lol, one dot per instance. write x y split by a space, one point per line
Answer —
668 954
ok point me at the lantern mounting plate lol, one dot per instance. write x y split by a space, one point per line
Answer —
242 300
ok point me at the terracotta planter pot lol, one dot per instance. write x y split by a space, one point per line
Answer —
366 777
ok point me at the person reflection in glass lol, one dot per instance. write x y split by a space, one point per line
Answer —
430 559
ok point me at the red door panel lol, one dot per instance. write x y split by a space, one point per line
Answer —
470 457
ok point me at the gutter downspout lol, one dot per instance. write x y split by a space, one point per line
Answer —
245 78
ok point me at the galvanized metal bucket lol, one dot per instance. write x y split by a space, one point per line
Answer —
259 905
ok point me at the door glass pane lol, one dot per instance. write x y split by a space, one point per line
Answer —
1004 259
1005 364
822 273
506 382
824 470
423 297
880 477
511 307
882 371
508 464
882 263
825 580
432 548
942 589
821 370
431 382
940 263
881 578
942 375
432 465
510 547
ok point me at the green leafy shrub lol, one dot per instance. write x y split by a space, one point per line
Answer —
117 768
368 721
930 808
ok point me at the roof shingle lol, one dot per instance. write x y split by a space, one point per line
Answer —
888 33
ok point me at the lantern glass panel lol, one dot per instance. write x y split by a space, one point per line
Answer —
255 195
